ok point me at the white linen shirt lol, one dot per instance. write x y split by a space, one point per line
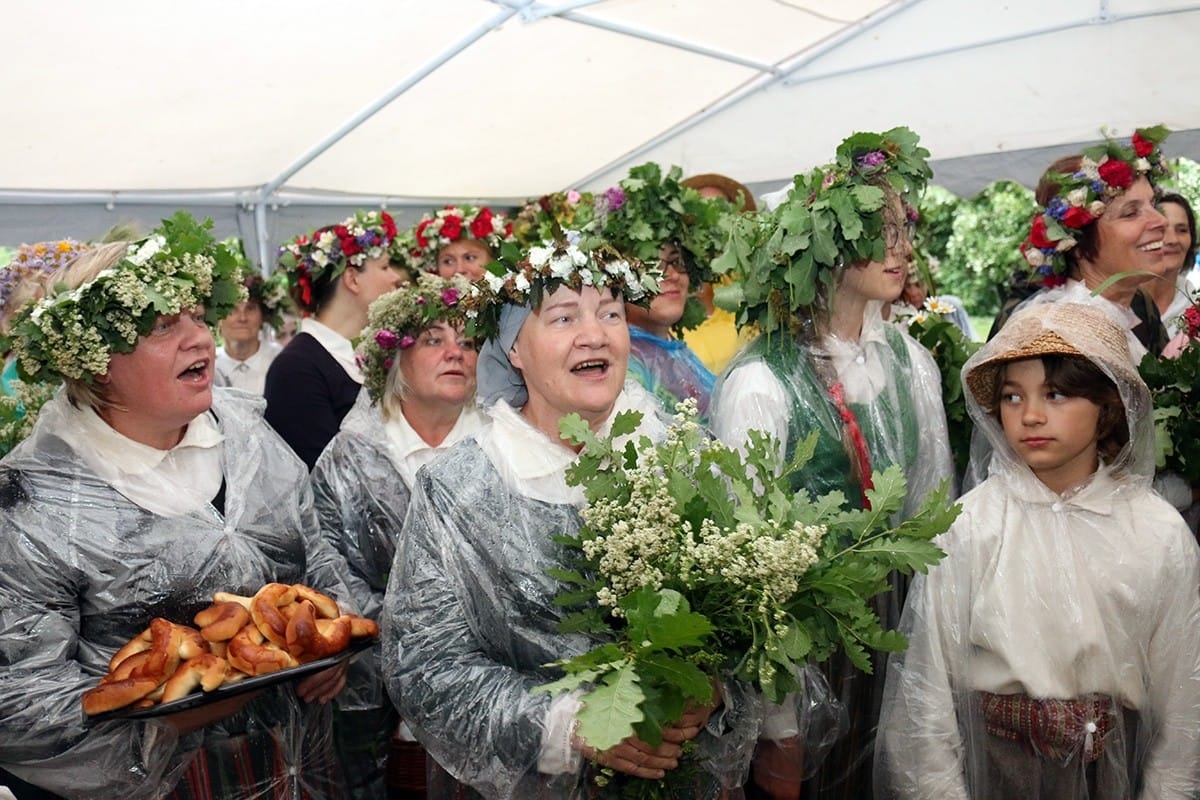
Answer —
337 346
249 375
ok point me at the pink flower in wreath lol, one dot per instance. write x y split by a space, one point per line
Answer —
386 339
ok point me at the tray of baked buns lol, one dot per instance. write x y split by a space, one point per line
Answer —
238 644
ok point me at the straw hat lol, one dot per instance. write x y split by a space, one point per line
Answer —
1073 329
728 186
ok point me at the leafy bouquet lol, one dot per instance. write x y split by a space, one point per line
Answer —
1175 386
688 571
951 349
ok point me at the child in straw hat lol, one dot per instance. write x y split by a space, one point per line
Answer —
1055 653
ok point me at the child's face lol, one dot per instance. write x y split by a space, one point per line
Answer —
1054 434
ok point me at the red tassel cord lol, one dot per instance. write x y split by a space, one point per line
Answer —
838 395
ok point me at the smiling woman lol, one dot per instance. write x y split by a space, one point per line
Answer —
1098 237
176 491
470 619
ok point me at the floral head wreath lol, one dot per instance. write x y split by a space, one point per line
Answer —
324 255
571 260
271 293
396 318
420 246
834 216
72 333
539 220
1106 171
36 261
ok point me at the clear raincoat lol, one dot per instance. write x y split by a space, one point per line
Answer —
470 622
362 485
85 570
1085 604
892 386
669 370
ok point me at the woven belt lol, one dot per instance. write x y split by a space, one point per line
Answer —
1057 729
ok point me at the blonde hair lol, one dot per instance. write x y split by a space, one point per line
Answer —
75 274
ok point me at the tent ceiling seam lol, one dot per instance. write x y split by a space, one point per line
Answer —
1109 19
761 82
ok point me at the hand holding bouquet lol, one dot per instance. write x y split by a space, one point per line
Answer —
696 563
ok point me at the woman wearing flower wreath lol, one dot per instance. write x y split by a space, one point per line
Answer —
335 275
1099 237
419 372
826 361
651 216
470 619
1055 653
23 280
140 493
245 353
455 240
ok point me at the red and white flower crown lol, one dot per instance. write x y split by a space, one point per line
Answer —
1106 171
421 245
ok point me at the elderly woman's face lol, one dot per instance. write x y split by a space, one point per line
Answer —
1130 234
166 381
572 353
440 367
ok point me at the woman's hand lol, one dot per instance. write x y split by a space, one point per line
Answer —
634 757
323 686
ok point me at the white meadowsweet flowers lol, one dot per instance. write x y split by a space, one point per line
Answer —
147 250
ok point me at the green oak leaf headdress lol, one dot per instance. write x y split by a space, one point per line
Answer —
784 263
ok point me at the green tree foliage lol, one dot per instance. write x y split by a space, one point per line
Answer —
982 251
1185 179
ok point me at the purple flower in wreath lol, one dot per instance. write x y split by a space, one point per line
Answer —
871 160
614 198
387 340
407 342
449 296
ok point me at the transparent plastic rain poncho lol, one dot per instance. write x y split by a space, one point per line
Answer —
781 386
362 486
470 623
669 370
1086 603
85 570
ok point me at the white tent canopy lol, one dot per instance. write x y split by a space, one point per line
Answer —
276 116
